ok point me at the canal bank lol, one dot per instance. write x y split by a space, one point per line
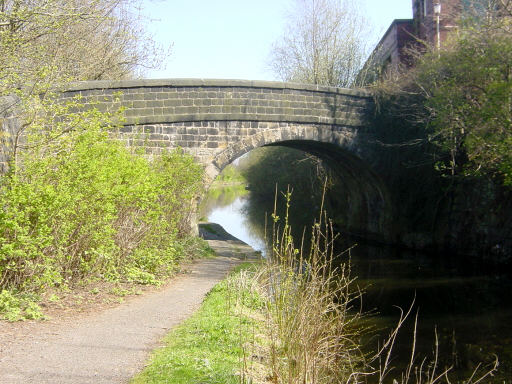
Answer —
467 306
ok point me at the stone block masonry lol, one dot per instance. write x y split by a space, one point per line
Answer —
170 101
207 117
206 140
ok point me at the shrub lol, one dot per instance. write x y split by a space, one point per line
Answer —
82 206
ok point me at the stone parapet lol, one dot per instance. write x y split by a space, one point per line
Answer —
187 100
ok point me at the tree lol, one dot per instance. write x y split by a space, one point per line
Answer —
46 44
467 92
74 40
447 122
76 202
325 43
460 97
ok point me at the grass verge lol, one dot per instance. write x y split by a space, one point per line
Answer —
212 345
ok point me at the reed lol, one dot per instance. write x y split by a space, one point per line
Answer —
314 321
312 312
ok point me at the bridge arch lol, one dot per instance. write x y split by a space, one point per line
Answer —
219 120
367 208
285 133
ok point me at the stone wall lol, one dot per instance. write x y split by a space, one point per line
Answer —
218 143
169 101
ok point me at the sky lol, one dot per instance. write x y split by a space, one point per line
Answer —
231 39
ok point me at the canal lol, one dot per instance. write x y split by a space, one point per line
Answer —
466 305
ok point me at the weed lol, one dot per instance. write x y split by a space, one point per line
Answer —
15 307
313 323
54 298
122 292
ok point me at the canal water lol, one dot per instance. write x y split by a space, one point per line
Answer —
467 306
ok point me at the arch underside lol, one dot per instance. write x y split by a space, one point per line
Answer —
364 207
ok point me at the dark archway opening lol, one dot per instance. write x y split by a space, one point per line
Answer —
358 200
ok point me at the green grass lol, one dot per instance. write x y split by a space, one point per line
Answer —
231 174
207 348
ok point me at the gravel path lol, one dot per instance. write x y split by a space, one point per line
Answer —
112 346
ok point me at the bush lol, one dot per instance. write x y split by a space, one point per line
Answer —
83 206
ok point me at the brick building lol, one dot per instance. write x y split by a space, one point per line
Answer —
425 18
391 51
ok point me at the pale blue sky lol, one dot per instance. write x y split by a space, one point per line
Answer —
231 39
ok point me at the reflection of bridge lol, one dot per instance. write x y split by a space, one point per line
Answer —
220 120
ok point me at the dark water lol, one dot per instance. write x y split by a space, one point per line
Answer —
466 305
469 308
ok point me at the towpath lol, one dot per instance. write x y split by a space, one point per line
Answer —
111 346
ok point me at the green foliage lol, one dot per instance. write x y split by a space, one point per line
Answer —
80 205
313 325
266 167
468 95
9 306
230 174
45 45
220 195
77 204
14 307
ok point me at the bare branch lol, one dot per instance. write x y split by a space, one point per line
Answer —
325 43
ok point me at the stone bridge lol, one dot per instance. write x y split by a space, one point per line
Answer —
217 121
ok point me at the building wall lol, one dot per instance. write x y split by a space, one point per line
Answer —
426 22
390 53
392 50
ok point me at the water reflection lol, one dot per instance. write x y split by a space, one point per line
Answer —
469 308
226 207
221 196
466 306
